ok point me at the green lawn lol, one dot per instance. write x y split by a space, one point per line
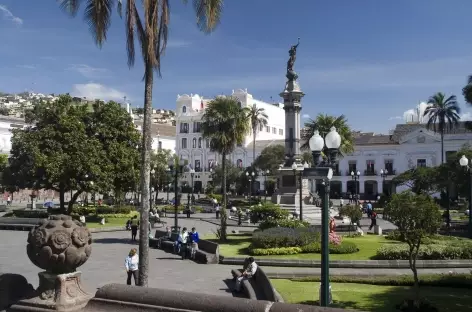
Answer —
237 246
111 222
373 298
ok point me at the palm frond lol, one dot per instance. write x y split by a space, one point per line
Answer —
442 112
130 27
71 7
208 13
98 17
162 35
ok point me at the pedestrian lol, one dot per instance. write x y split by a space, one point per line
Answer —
8 200
182 243
82 220
240 217
341 202
194 238
373 220
217 210
188 210
134 227
350 198
131 265
369 209
247 274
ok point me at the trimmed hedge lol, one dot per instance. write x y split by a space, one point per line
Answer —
91 210
276 251
285 237
285 223
427 252
20 213
434 280
343 248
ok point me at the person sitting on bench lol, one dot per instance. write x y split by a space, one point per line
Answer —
247 274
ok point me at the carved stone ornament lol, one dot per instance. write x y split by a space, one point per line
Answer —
59 245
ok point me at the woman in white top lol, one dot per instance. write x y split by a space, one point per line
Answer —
131 265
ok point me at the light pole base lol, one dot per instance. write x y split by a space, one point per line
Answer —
330 301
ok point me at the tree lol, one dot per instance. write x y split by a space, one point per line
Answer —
160 163
152 35
353 212
258 118
323 123
233 174
225 124
138 111
270 158
416 216
442 113
420 180
307 157
467 91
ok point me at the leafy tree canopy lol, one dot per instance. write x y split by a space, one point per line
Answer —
67 146
159 163
270 158
419 180
233 174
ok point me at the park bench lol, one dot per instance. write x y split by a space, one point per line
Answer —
18 224
258 287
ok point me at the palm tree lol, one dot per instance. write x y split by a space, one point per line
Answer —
442 113
258 118
225 124
152 34
467 91
323 123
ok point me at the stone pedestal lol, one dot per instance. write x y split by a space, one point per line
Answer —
288 190
56 292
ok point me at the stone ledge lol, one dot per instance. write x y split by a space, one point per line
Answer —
230 225
354 264
121 298
107 229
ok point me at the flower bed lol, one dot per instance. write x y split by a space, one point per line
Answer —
426 252
291 241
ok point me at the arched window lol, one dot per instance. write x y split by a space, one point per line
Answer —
194 143
239 104
239 163
184 142
184 109
199 142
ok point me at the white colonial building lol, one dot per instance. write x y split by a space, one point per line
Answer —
191 147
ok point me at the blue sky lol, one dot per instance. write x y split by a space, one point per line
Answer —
371 60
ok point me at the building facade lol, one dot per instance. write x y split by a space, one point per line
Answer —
191 147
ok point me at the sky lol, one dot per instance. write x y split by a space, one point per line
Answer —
371 60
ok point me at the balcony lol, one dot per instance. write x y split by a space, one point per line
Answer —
348 172
391 172
370 172
183 130
337 173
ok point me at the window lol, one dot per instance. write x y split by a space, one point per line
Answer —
207 143
159 145
268 129
421 163
239 163
194 143
389 166
239 104
184 143
261 127
211 164
281 131
197 165
352 167
274 130
199 142
184 127
370 165
184 109
197 127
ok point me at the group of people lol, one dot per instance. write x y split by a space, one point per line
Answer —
186 244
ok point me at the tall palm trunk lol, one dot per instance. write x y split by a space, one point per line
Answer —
442 147
223 207
253 155
145 178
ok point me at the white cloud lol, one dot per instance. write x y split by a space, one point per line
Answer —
395 118
178 43
467 116
416 114
26 66
88 71
306 116
7 14
96 91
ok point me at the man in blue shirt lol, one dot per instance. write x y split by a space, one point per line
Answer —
369 209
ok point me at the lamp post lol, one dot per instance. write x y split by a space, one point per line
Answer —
384 175
192 173
250 176
333 142
151 188
464 162
355 177
266 174
299 175
175 168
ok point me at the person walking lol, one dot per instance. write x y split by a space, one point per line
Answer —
217 210
194 239
341 202
134 228
131 265
373 220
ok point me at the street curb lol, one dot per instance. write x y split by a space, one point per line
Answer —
243 226
354 264
276 275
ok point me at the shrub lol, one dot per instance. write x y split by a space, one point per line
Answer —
218 197
343 248
20 213
351 211
268 211
114 210
275 251
426 252
82 210
285 237
286 223
240 203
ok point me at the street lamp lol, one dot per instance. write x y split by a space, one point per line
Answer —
355 177
295 168
192 173
332 142
176 168
266 174
151 188
464 162
250 175
383 174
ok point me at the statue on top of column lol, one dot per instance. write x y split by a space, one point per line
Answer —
291 74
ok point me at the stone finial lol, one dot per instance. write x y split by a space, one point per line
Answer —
59 245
